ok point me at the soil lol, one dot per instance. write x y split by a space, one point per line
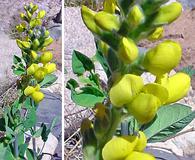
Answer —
183 31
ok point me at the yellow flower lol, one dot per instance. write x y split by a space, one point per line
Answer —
157 34
41 14
141 142
109 6
46 57
157 90
144 107
47 41
50 67
140 156
35 22
168 13
40 74
29 90
128 50
37 96
88 18
163 58
36 44
33 54
135 16
23 44
124 89
178 86
118 148
107 21
32 69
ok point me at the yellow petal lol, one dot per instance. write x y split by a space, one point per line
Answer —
157 34
163 58
128 50
88 18
41 14
178 87
141 142
144 107
118 148
51 67
156 90
109 6
32 69
140 156
124 89
37 96
47 41
40 74
46 57
107 21
29 90
168 13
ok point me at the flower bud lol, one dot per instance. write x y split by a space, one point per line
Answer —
178 86
168 13
29 90
107 21
40 74
157 90
34 8
118 148
129 85
88 18
29 14
140 156
50 68
21 27
46 57
47 41
37 96
103 47
157 34
128 50
35 44
41 14
135 16
163 58
102 120
32 69
33 54
144 107
141 142
23 17
109 6
46 34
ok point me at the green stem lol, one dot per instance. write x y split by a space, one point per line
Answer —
16 153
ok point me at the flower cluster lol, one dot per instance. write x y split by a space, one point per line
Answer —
33 44
118 30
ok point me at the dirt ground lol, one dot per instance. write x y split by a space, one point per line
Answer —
183 31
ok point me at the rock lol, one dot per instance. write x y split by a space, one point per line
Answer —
188 4
49 147
8 48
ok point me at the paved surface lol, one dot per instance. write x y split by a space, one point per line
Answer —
50 108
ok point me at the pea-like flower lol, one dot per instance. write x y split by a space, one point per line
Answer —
177 85
124 89
46 57
32 69
128 50
119 147
110 6
168 13
37 96
163 58
144 107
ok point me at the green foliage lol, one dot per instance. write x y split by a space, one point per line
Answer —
48 81
169 121
188 70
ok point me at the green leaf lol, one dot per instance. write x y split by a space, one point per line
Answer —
19 71
17 59
38 132
30 119
170 120
45 132
3 150
22 150
88 96
29 154
102 60
72 84
48 81
81 63
188 70
125 5
53 123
